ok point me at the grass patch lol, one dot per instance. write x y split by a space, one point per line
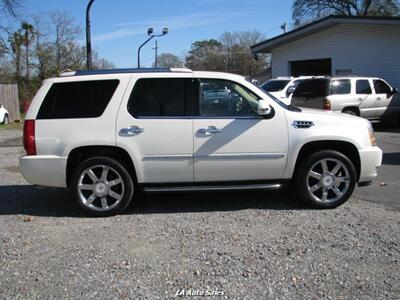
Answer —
12 126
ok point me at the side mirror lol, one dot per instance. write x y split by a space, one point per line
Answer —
395 90
290 90
263 109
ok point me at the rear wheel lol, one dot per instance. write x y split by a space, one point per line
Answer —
6 119
326 179
102 186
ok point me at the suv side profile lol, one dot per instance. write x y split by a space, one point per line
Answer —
108 134
368 97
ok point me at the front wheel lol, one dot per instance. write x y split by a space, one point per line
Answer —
325 179
102 186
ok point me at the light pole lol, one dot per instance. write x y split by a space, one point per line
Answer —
88 39
151 36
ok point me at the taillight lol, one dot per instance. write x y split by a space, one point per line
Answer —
29 137
327 105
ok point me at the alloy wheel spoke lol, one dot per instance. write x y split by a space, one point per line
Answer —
104 203
114 182
324 167
324 194
315 175
339 180
104 174
92 176
91 199
336 169
114 194
86 186
315 187
337 191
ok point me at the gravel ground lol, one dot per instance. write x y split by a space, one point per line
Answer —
241 245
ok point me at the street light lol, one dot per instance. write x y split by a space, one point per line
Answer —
151 36
88 42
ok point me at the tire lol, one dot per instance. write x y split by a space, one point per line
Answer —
350 111
6 119
102 186
329 190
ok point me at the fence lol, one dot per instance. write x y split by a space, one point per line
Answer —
9 98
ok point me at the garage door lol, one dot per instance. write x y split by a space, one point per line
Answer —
311 67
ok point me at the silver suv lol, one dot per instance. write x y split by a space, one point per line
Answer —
368 97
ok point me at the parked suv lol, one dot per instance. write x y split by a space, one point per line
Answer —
4 116
108 134
367 97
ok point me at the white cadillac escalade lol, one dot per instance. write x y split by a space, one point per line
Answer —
107 134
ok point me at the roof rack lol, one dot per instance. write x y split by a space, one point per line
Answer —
121 71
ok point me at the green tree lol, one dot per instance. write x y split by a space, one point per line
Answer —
28 37
206 55
16 42
309 10
168 60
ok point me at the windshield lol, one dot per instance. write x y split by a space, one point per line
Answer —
274 85
272 97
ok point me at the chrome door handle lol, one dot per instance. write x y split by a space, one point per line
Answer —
210 130
378 98
131 131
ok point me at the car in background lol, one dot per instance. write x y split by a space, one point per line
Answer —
4 115
282 87
368 97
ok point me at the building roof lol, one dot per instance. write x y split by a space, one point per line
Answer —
317 26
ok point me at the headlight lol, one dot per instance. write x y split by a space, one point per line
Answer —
372 137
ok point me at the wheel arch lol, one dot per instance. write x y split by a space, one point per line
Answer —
79 154
353 108
346 148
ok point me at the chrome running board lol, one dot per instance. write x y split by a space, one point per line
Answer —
201 188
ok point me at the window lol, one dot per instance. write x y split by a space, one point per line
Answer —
274 85
222 98
340 87
83 99
312 88
363 87
160 97
381 87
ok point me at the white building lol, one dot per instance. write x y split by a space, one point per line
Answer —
336 45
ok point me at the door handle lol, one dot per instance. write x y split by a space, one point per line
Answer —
379 98
210 130
131 131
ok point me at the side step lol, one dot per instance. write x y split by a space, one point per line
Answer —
204 188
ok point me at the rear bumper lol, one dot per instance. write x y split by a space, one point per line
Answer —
371 159
47 170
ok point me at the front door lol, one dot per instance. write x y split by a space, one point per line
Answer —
154 125
384 96
231 142
365 98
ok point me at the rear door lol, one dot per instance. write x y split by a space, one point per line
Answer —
365 98
154 125
231 142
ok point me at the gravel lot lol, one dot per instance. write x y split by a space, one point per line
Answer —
244 245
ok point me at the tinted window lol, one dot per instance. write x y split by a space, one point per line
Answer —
312 88
381 87
274 85
84 99
363 87
221 98
155 97
340 87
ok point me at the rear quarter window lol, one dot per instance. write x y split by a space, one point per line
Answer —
80 99
340 87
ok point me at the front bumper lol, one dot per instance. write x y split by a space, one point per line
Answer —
47 170
371 159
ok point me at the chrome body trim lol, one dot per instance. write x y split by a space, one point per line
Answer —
213 188
215 156
302 124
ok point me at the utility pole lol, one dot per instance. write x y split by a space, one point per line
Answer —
88 38
283 27
156 55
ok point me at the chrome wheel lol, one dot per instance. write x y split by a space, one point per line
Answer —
100 188
328 180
